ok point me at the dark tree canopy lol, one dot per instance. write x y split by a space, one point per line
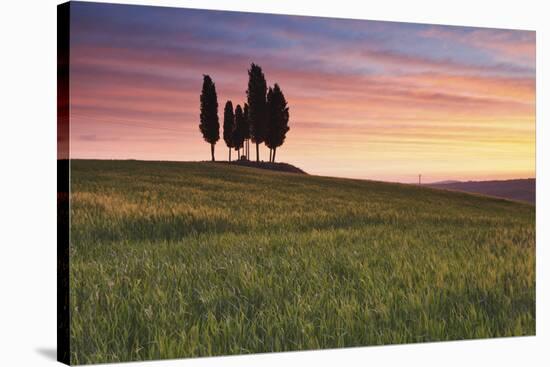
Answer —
277 118
256 95
209 123
240 126
228 124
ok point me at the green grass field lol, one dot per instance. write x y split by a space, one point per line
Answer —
174 260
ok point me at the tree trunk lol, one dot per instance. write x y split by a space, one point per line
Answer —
257 152
212 152
274 151
229 154
270 153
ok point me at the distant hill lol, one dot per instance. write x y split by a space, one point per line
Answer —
520 190
445 182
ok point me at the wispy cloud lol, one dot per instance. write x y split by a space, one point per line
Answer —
517 44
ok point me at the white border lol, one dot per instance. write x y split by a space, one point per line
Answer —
28 205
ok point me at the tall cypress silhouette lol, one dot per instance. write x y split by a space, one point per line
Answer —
228 126
246 130
239 132
270 126
277 120
209 123
256 94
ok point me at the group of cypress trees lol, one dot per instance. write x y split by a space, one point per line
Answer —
235 128
263 119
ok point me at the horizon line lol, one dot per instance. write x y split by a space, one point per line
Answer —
310 174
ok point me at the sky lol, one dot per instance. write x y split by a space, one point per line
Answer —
368 99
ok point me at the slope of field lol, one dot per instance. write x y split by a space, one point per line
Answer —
521 190
196 259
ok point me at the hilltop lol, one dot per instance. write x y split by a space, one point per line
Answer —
273 166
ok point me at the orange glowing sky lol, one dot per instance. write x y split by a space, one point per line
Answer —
376 100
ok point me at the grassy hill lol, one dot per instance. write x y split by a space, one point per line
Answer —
195 259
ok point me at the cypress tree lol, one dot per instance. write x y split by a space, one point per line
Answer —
277 120
239 132
228 126
246 132
256 95
270 126
209 123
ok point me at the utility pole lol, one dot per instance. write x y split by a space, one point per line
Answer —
420 179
